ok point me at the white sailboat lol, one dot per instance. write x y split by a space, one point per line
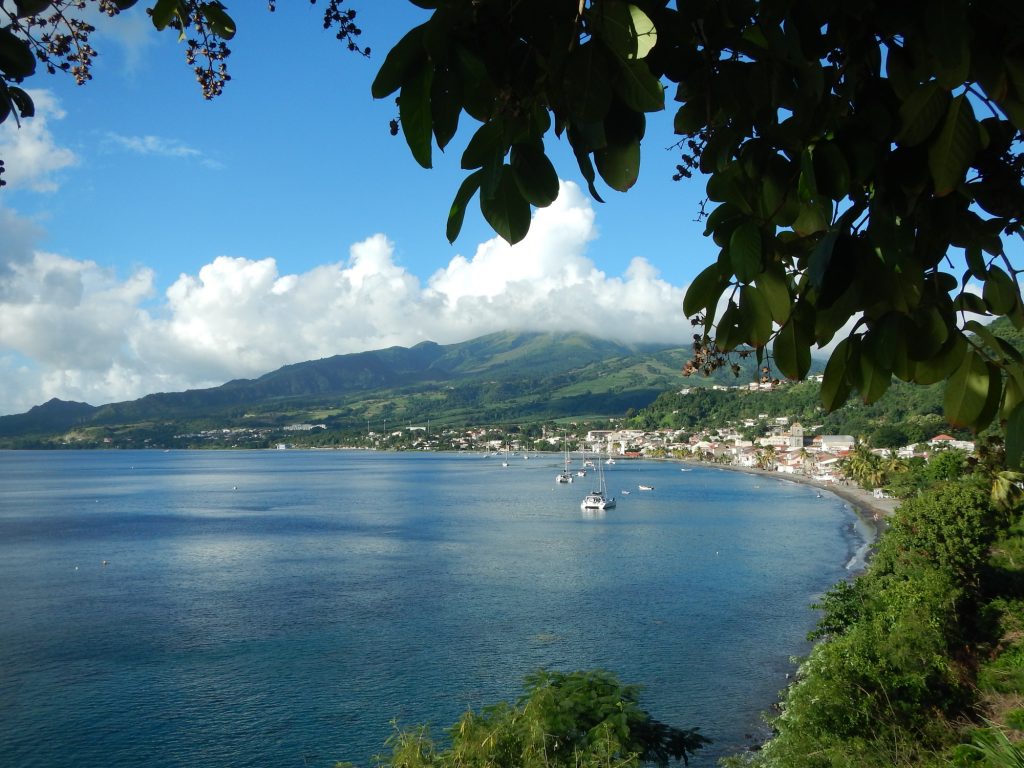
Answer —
598 499
564 476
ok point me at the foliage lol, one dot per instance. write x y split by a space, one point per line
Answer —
888 678
842 148
576 720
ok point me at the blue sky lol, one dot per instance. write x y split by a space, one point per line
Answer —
155 241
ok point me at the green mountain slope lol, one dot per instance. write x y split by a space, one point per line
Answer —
496 378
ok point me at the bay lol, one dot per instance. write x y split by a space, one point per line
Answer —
280 608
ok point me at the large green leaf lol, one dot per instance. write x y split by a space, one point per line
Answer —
16 59
920 112
507 211
875 378
835 389
1000 291
406 58
638 88
966 391
939 366
445 104
775 289
705 291
218 19
535 174
953 150
1015 437
587 76
457 212
757 316
486 146
745 251
31 7
619 164
414 111
624 28
792 351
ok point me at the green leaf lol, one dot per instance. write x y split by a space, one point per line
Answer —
966 391
745 251
757 316
164 11
814 217
831 171
587 76
619 165
835 389
30 7
821 258
624 28
1015 437
1000 292
457 212
26 107
414 111
943 363
792 352
445 104
995 391
218 20
507 211
638 88
587 169
921 112
775 290
729 332
953 150
405 59
875 378
535 174
705 291
486 146
16 59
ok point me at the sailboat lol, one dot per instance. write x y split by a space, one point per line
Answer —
564 476
505 462
598 499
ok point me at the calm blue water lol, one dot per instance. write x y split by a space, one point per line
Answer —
279 608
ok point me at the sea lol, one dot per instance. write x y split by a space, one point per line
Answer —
290 608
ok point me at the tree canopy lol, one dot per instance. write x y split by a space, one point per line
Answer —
862 159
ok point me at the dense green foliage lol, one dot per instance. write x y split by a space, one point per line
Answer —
842 150
564 720
891 681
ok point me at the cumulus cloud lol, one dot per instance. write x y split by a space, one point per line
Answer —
31 157
74 330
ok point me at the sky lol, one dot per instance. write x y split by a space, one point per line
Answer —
153 241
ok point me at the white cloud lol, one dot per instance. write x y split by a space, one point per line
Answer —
30 155
74 330
161 147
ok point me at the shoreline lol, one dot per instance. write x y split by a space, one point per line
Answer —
873 511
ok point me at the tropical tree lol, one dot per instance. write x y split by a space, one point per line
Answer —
570 720
849 148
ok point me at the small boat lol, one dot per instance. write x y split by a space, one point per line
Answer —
625 493
646 487
598 499
564 476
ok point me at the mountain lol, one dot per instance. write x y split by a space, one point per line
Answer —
52 416
492 379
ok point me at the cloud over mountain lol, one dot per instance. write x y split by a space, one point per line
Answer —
74 330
